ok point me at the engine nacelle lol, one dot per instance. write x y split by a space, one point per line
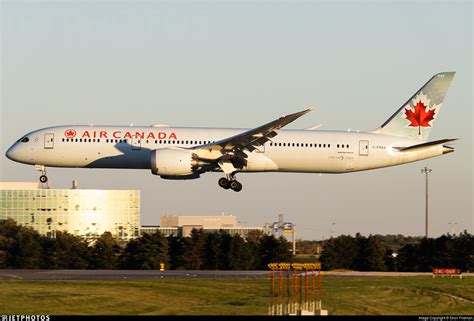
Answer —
174 163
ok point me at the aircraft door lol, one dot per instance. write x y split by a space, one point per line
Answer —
363 148
48 141
136 143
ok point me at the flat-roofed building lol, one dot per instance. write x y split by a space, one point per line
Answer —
82 212
203 221
182 225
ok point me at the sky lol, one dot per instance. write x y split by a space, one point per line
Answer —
242 64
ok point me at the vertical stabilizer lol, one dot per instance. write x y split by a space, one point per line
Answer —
416 117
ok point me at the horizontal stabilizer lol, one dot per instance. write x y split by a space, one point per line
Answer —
425 145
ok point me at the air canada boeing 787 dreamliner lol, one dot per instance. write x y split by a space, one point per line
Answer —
186 152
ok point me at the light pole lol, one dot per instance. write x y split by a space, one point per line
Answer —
453 229
331 231
426 170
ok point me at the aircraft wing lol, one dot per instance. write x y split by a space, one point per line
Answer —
249 140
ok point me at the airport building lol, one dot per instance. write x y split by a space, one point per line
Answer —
88 213
82 212
178 225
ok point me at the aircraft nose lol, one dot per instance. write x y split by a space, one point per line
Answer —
10 153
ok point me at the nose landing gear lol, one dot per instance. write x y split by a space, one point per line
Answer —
231 183
43 178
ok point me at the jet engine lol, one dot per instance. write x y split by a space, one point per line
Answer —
174 163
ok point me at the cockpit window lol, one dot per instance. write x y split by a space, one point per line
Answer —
25 140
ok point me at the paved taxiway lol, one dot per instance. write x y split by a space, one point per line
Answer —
126 274
153 274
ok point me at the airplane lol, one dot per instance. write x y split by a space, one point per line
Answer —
185 152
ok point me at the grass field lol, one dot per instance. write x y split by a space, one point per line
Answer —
347 296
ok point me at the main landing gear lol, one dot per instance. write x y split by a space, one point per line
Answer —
231 183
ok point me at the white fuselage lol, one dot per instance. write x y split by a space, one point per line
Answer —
308 151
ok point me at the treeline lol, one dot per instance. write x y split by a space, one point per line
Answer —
376 253
22 247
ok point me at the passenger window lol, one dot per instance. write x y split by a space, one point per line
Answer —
347 146
329 145
319 145
324 146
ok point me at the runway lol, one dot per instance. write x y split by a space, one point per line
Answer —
126 274
11 274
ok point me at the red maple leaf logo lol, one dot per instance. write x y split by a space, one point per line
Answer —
70 133
420 117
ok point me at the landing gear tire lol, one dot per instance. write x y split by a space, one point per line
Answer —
235 186
43 178
224 183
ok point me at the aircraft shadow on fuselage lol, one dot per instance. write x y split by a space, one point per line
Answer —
140 158
132 157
